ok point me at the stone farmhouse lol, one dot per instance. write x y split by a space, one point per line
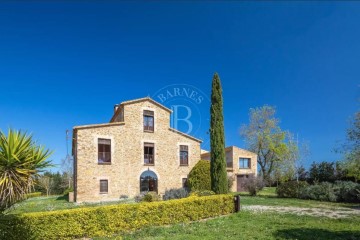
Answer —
240 164
138 151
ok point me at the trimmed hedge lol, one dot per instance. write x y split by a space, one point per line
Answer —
199 177
107 220
33 194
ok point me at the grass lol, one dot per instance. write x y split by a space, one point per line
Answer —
266 197
242 225
43 204
248 225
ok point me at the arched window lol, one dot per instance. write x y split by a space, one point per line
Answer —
148 181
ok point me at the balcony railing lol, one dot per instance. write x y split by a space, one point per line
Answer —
184 161
104 157
148 128
148 159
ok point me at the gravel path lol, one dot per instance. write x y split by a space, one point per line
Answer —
320 212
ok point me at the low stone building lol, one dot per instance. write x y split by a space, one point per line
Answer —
240 164
136 151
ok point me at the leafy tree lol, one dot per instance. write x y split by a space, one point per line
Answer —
199 176
352 148
219 182
21 160
272 145
46 182
302 174
322 172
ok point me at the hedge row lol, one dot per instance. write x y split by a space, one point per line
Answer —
33 194
107 220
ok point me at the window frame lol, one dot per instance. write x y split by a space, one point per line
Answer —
184 182
105 162
248 161
182 149
107 186
149 145
148 114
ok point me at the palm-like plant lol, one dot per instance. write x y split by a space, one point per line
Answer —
21 160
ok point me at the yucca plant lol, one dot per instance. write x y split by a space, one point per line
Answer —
21 160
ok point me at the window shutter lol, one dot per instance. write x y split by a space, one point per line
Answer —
148 113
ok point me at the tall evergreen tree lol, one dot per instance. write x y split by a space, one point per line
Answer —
217 139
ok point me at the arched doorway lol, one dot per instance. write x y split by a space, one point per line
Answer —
148 181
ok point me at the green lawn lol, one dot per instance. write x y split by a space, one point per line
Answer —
43 204
266 197
243 225
248 225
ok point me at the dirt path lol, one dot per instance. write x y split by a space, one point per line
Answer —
320 212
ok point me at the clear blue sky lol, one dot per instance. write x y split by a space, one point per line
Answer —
67 64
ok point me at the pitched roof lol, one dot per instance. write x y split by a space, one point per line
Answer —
229 148
184 134
139 100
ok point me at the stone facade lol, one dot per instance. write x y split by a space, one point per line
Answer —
127 136
233 154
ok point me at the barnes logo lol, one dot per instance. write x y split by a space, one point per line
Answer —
189 105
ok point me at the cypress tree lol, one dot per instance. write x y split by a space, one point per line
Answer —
217 139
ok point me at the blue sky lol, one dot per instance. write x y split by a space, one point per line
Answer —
66 64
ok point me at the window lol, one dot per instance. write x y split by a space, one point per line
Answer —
229 163
149 154
184 182
103 186
244 162
104 151
184 155
148 181
148 121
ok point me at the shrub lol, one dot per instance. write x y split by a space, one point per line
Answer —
176 193
151 197
199 176
67 191
323 192
140 197
107 220
33 194
291 189
253 185
347 191
202 193
123 196
230 182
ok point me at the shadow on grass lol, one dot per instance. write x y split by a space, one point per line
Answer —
315 233
63 198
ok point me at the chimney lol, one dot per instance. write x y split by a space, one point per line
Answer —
116 107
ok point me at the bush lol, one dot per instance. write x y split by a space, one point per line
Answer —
347 191
123 196
176 193
291 189
323 192
33 194
253 184
140 197
199 176
67 191
151 197
147 197
202 193
107 220
230 182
